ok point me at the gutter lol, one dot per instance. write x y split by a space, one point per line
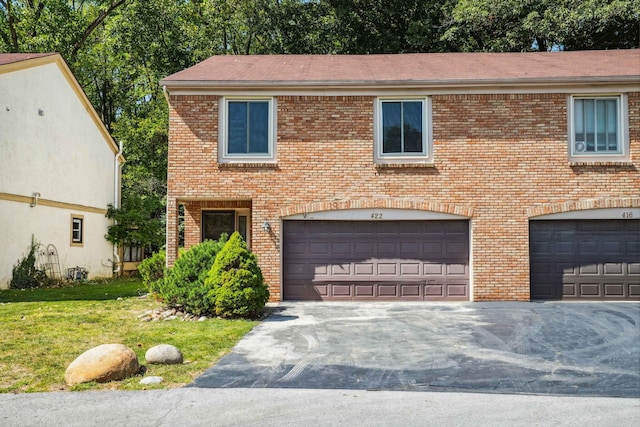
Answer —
393 84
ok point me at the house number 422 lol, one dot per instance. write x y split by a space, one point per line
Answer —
376 215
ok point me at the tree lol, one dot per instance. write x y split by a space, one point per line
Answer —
133 226
524 25
389 26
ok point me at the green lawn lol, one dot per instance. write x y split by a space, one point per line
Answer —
43 330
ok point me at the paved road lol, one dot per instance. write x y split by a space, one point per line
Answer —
300 407
586 349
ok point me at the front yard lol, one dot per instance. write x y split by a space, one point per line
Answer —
43 330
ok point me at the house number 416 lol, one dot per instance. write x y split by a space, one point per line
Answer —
627 215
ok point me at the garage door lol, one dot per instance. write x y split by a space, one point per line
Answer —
585 259
376 260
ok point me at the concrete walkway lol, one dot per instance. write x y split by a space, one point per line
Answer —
587 349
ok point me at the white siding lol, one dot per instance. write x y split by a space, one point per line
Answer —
50 145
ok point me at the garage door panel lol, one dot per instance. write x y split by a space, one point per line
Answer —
365 248
432 268
410 249
614 289
387 269
339 290
613 248
319 248
364 269
410 290
341 269
456 290
457 270
614 268
318 270
379 260
590 290
366 290
589 259
341 248
588 269
432 248
408 269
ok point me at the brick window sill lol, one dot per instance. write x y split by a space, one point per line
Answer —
601 163
248 165
405 165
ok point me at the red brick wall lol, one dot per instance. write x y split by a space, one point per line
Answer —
496 157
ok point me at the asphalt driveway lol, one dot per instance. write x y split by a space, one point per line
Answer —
587 349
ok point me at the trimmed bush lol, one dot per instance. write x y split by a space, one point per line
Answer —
184 284
236 281
152 271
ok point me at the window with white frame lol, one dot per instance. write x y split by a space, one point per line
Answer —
77 230
597 127
247 129
403 131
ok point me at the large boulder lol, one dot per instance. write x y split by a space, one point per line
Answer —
165 354
104 363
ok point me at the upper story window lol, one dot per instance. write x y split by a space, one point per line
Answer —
597 128
247 129
403 133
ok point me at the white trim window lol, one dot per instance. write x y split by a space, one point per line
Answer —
247 129
77 230
597 128
403 130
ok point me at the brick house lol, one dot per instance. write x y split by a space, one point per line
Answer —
455 176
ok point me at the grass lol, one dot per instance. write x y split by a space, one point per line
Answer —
43 330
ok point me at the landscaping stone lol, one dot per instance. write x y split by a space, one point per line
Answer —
164 354
104 363
151 380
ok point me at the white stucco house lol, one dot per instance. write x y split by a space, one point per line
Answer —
59 168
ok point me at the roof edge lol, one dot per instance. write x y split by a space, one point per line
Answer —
399 84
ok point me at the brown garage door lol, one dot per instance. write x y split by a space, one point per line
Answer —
585 259
367 260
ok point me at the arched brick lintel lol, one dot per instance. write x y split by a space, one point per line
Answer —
386 203
583 204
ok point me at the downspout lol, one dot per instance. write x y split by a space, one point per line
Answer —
165 92
117 181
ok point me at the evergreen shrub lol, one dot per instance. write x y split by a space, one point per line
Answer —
152 271
236 281
184 284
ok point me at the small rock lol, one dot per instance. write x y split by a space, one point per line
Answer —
104 363
165 354
151 380
202 319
